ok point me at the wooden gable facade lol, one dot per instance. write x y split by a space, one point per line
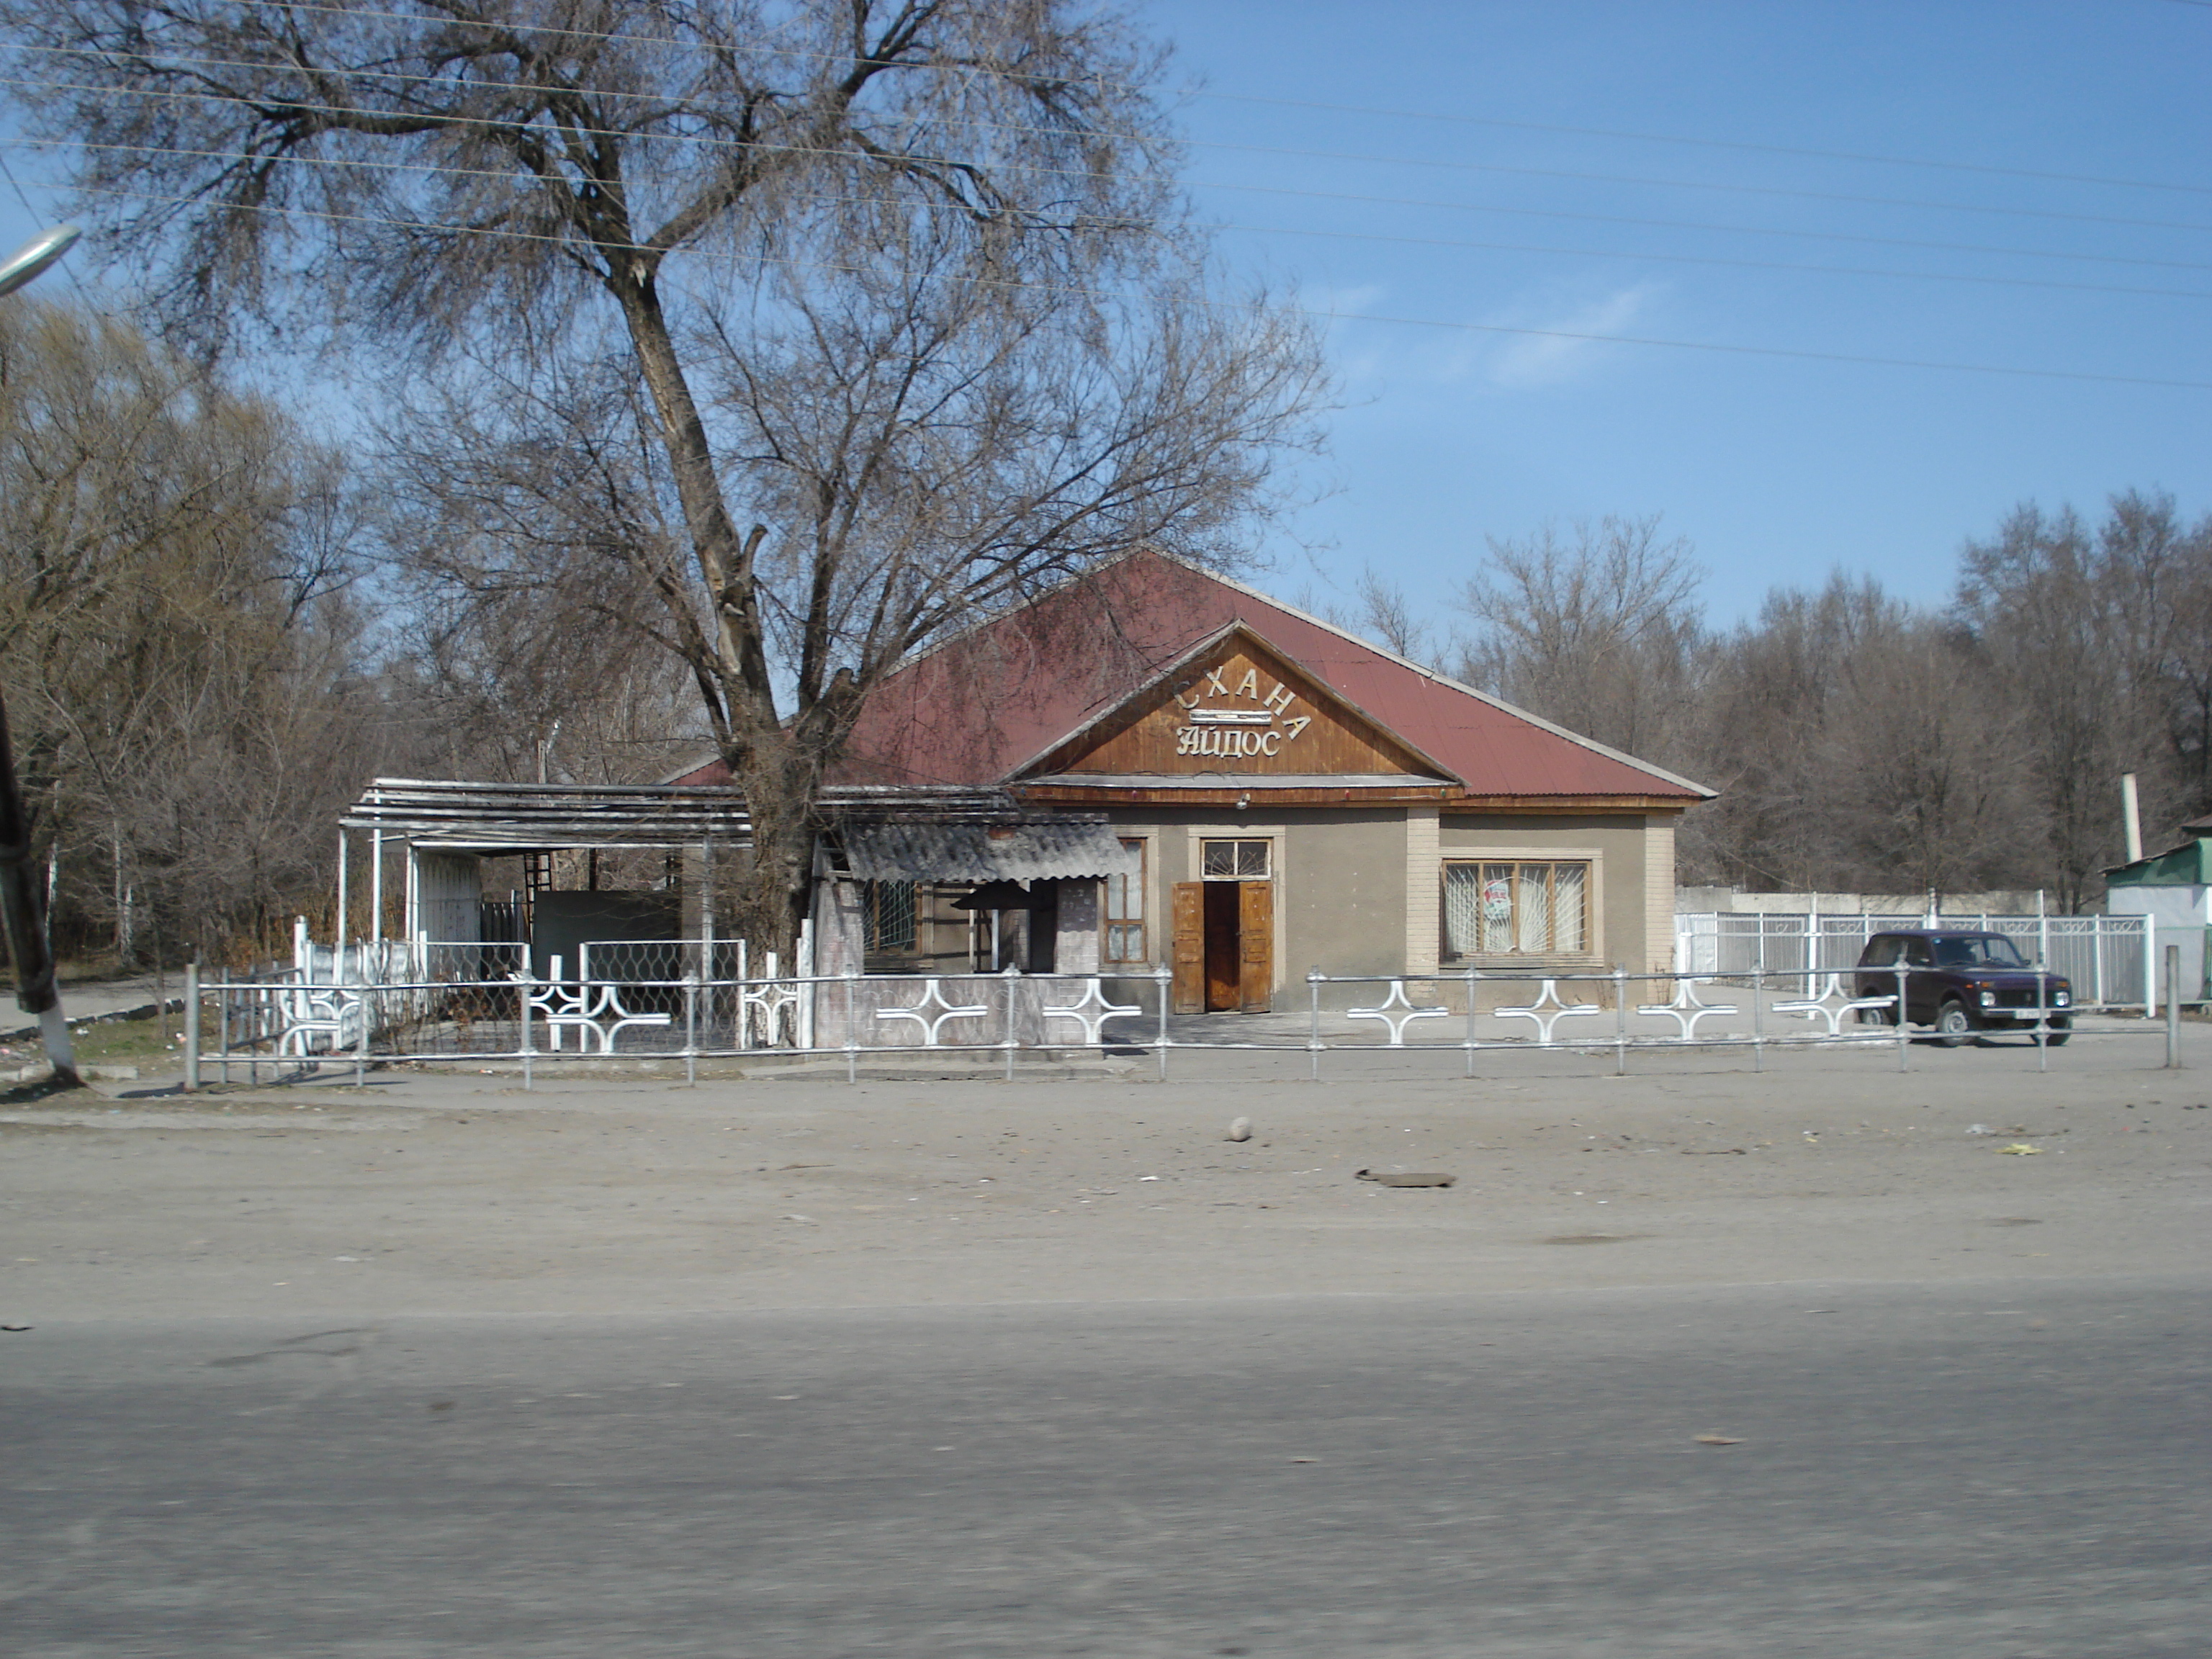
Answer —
1235 712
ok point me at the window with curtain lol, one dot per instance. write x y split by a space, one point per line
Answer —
1515 908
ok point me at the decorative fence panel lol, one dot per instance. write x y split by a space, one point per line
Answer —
534 1020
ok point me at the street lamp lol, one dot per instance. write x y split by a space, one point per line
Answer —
20 898
31 260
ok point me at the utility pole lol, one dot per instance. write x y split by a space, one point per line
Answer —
19 898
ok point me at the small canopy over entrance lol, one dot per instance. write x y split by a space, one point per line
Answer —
923 879
1037 849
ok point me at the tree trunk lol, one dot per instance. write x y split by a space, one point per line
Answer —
769 893
35 991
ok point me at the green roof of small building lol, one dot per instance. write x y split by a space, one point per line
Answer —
2189 864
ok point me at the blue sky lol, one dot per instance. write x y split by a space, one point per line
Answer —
1314 140
1777 469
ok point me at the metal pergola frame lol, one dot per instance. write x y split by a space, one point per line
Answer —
494 820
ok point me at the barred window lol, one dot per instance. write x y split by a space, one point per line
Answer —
1234 860
887 907
1125 912
1507 909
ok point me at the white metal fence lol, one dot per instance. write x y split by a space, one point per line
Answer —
529 1021
2109 960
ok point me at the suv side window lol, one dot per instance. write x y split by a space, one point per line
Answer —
1882 953
1916 954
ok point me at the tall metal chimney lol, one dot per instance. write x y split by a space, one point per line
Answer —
2132 812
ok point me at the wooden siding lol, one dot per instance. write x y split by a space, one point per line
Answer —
1238 710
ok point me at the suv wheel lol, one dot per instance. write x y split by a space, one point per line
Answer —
1952 1024
2062 1027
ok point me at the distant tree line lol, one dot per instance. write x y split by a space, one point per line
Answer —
1860 742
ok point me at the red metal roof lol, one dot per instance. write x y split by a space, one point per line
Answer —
977 707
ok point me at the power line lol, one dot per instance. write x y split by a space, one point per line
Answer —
448 171
1714 259
479 82
1726 143
1799 151
1776 191
1781 352
709 142
1729 230
1350 235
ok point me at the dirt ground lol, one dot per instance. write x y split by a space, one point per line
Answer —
446 1193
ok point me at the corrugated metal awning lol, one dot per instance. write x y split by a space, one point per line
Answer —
919 850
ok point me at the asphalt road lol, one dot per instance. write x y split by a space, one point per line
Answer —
1959 1470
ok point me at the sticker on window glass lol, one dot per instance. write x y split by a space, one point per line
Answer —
1496 900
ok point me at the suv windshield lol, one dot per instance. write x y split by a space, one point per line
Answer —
1978 950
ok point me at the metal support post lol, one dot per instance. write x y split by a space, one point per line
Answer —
361 1044
345 896
1162 981
1901 1041
1313 1026
1620 1019
522 990
2150 967
1010 1028
852 1044
691 1030
192 1027
1759 1019
2173 1007
1472 975
707 909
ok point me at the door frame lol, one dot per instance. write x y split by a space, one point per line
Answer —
1278 834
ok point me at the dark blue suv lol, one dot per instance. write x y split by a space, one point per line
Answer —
1962 982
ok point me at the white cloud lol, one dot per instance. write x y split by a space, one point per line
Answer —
1344 302
1529 361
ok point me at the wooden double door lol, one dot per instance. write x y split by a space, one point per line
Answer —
1225 946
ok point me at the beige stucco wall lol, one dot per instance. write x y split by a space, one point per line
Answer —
1340 880
1358 890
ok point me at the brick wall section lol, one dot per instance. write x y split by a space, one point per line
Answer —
1659 894
1424 889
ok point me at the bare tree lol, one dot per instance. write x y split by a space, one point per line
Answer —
183 671
1765 721
2085 628
1386 614
1597 628
906 286
1859 741
1926 765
